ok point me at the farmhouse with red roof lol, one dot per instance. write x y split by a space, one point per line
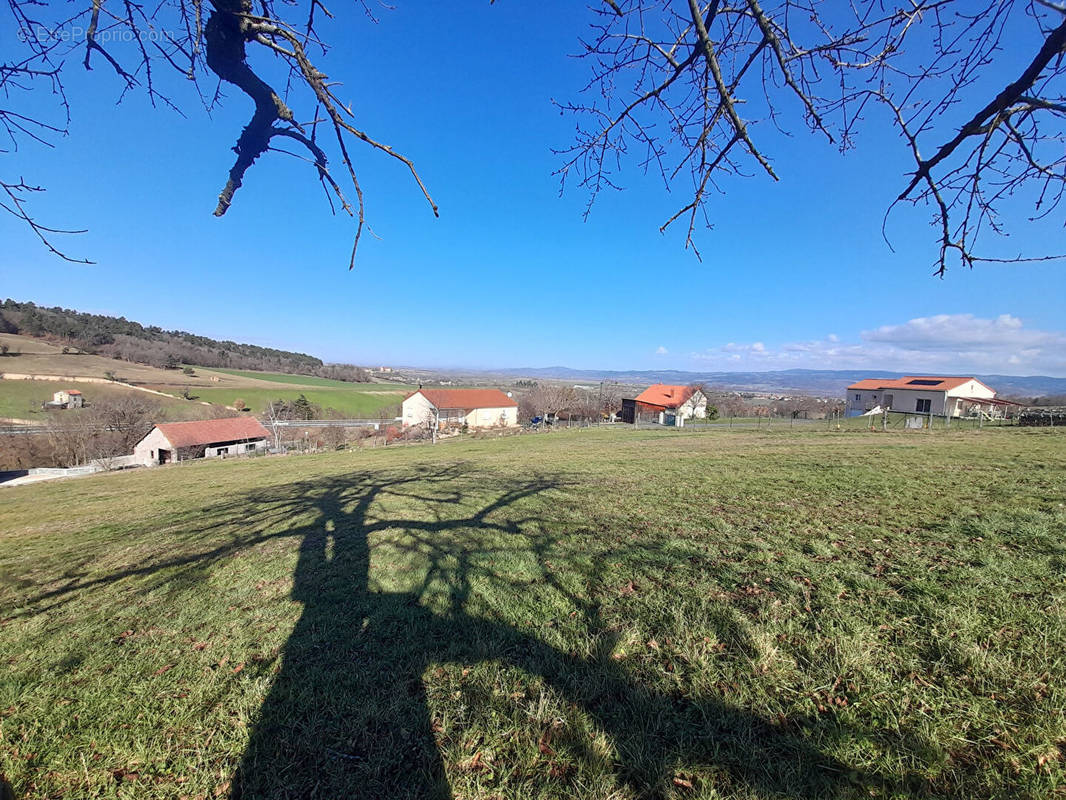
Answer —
665 404
206 438
938 395
475 408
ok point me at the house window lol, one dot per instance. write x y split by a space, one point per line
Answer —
222 451
923 405
858 397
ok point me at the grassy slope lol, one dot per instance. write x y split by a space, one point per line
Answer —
603 614
351 402
257 389
356 400
22 399
36 357
309 380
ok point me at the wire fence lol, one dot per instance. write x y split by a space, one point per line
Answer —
887 421
904 420
757 423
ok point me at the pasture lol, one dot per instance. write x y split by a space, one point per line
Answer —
21 399
31 356
357 401
590 613
308 380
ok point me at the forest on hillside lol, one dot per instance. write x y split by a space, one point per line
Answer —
118 337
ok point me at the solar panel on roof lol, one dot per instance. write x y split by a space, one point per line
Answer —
920 382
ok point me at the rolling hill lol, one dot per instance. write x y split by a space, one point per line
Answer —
57 366
827 383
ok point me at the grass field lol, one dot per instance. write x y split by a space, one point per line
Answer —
221 386
36 357
310 380
22 399
353 403
355 400
591 613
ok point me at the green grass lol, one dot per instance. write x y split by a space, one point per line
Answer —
22 399
307 380
352 403
897 422
725 421
595 614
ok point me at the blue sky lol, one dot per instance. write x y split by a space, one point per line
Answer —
794 274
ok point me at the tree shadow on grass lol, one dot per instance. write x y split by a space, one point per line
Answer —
347 715
404 571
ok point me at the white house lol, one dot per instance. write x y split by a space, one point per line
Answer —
475 408
922 394
663 399
207 438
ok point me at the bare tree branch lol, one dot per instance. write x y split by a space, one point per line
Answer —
681 88
700 118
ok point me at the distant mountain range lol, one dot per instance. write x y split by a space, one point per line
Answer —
118 337
822 382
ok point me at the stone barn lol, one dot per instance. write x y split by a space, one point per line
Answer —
209 438
66 398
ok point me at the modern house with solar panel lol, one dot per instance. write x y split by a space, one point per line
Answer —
941 396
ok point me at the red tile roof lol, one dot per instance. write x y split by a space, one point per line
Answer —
665 395
72 391
209 431
466 398
935 383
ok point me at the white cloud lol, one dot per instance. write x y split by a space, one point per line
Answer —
945 343
661 351
755 349
1005 333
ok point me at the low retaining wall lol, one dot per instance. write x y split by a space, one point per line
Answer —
61 472
1054 418
25 376
118 462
